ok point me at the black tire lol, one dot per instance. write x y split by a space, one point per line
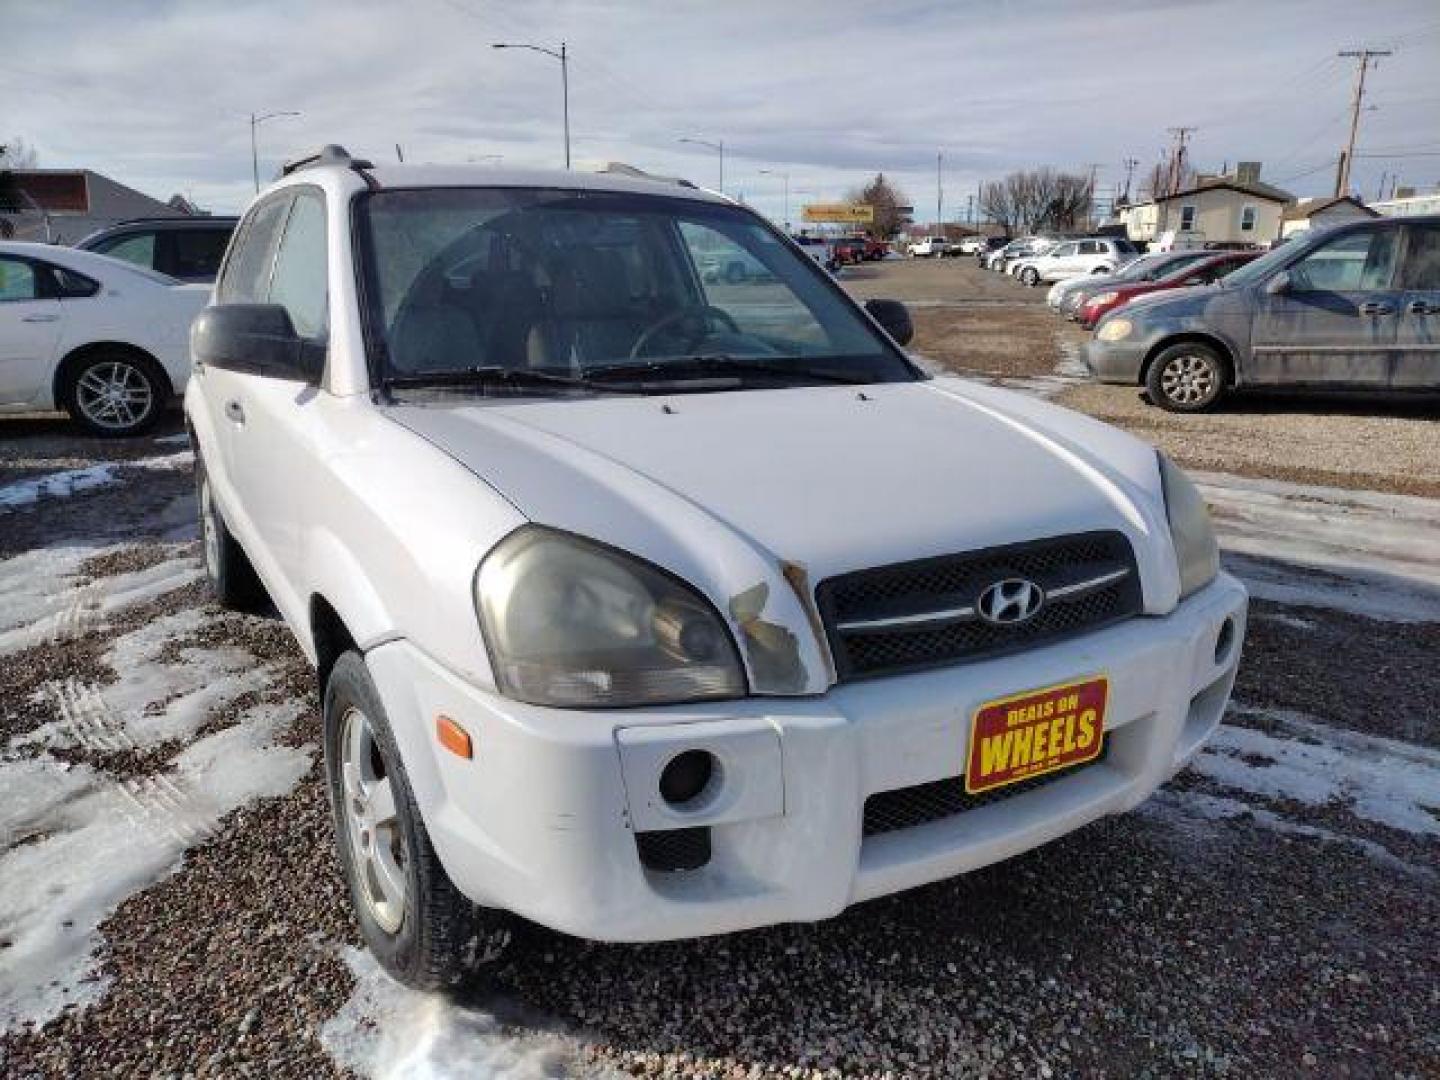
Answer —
438 939
233 581
1187 377
114 393
1030 276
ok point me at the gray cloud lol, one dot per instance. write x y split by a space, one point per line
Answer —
158 95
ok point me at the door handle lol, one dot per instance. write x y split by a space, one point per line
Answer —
235 411
1374 307
39 318
1420 307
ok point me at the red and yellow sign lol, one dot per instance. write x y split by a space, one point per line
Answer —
1034 733
841 213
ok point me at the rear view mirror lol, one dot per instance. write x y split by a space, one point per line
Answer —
1278 284
256 339
894 319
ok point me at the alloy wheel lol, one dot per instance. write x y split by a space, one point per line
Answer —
378 851
1189 379
115 395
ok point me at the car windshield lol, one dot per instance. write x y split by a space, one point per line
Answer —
555 290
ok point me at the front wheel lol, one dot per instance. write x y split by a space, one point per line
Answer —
1030 276
418 925
1187 378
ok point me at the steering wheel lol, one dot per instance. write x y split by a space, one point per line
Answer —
706 314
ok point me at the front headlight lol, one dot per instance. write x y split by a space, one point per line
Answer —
1114 329
1104 297
1195 548
569 622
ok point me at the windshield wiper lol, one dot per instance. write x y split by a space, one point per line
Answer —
493 375
719 364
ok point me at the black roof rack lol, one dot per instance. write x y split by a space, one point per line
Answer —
329 154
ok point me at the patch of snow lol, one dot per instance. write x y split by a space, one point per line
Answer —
1183 808
1292 621
1391 783
152 700
56 485
386 1032
46 598
1368 553
100 841
67 482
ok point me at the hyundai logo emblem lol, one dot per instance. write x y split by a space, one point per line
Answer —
1010 601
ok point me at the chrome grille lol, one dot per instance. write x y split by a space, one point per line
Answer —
923 614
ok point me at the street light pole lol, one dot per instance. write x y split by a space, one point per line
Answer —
564 57
256 121
718 147
786 177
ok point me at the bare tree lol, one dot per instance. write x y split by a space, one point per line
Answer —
17 154
1159 180
887 199
14 154
1038 199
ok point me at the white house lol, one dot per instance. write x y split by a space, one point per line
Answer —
1218 209
1322 213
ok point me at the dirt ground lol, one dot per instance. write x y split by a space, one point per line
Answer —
1272 911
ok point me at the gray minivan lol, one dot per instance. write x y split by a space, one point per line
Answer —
1354 307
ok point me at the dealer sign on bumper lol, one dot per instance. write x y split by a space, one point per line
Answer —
1035 733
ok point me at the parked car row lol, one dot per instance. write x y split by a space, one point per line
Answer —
1355 307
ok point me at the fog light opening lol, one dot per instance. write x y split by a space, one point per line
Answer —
688 777
1224 640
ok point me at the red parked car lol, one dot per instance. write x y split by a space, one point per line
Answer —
876 250
1201 272
850 250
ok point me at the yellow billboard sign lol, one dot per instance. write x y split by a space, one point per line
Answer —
841 213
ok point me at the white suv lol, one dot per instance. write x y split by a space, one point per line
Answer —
648 607
928 247
1075 258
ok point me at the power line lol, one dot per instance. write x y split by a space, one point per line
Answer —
1342 178
1176 171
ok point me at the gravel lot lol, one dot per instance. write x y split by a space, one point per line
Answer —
1273 911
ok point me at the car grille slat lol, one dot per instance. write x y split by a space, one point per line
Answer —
904 808
899 600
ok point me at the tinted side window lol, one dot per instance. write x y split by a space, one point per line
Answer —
196 252
247 275
17 281
137 248
70 285
299 284
1355 262
1422 263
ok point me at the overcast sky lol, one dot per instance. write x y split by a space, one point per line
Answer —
158 95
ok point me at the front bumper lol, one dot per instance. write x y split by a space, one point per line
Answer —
542 820
1114 361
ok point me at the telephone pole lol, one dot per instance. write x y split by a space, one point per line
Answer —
939 189
1130 163
1342 176
1177 158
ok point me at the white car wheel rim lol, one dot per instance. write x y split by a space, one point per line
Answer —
114 395
372 824
1188 379
209 530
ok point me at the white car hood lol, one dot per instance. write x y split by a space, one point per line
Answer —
829 479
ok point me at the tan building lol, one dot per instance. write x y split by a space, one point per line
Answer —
1215 210
1322 213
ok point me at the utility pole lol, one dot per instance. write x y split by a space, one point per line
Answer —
719 147
1093 215
1342 176
256 121
970 210
939 189
1177 158
1130 163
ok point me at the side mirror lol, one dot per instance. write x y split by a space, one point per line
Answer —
256 339
894 319
1278 284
